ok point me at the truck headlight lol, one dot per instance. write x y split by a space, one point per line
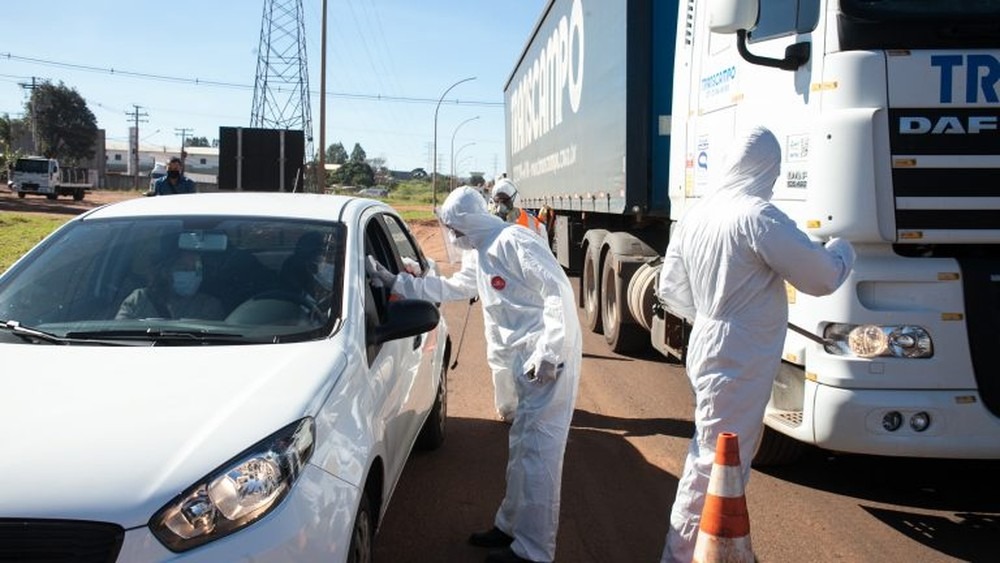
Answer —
238 493
871 341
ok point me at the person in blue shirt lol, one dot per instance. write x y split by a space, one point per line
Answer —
175 182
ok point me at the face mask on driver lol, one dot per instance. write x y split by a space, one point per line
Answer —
502 209
174 174
186 282
324 275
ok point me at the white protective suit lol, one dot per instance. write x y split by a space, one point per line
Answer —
725 269
530 318
504 391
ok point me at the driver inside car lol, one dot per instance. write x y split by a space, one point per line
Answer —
173 293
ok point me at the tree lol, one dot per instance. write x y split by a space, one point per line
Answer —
354 174
65 126
196 142
358 154
10 131
336 154
476 179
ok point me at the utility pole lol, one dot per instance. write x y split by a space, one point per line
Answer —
182 131
136 117
31 101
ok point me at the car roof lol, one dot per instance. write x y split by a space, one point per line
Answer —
261 204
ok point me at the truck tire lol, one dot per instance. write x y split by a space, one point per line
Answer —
590 287
21 195
52 196
78 195
621 332
775 449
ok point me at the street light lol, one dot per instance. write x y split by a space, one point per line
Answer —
434 175
454 155
453 148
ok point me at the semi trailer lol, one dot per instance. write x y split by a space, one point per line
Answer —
618 114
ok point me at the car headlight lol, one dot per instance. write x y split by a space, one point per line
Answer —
238 493
871 341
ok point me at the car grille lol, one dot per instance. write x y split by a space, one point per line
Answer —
59 540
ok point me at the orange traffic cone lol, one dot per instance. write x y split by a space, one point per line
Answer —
724 534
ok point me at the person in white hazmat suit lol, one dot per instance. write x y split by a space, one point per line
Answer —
532 327
725 271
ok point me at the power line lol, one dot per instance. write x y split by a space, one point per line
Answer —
233 85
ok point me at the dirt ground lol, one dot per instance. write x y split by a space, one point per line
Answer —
427 233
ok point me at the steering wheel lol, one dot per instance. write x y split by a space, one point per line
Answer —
303 301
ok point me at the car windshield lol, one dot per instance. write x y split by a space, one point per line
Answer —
178 281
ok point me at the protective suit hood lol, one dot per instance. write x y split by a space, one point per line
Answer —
752 164
505 187
464 210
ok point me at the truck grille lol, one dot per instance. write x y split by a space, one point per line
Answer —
59 540
981 284
946 173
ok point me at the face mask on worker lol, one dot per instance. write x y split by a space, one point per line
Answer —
459 240
173 174
501 210
186 282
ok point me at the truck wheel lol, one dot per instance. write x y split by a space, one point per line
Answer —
52 196
776 449
590 287
78 195
620 330
20 195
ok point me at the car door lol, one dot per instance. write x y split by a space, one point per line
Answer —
421 397
393 365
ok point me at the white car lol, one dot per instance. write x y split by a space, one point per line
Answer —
211 377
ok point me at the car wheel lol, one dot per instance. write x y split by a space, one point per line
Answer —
363 534
432 434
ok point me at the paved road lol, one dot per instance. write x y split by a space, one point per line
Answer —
625 452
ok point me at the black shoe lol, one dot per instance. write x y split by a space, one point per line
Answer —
494 537
505 555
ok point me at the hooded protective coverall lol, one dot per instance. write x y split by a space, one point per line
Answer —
725 270
531 322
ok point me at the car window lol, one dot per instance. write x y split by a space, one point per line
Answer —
263 279
378 246
402 240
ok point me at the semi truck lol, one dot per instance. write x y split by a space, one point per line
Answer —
38 175
618 114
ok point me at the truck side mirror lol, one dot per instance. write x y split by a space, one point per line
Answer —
738 16
730 16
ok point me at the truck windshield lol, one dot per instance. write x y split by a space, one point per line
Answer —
919 24
920 10
32 166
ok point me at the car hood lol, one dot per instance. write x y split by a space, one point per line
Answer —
112 434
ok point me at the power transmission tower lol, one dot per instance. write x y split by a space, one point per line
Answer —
281 89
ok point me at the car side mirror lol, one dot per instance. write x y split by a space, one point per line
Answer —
405 318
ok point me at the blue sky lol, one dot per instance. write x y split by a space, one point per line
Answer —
389 48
